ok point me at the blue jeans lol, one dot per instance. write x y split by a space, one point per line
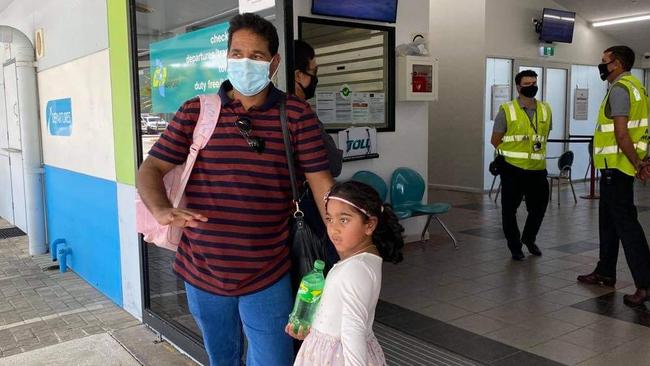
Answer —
262 315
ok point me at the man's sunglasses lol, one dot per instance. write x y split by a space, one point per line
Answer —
245 128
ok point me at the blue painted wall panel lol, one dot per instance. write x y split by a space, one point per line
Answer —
83 210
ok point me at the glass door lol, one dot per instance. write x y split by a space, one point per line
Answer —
170 40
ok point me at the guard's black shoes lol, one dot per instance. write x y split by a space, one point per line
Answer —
596 279
518 256
638 298
533 249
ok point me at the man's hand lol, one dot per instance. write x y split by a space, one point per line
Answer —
643 169
301 334
179 217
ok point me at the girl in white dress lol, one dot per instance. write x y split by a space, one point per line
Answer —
365 231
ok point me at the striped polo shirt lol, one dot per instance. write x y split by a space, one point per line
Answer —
246 196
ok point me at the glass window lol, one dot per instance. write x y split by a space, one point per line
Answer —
181 52
356 73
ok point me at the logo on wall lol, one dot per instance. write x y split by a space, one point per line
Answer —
358 142
59 117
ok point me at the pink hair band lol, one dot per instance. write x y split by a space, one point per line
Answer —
347 202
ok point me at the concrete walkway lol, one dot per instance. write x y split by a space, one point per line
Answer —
53 318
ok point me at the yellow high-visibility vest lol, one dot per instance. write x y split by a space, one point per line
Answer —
522 134
607 154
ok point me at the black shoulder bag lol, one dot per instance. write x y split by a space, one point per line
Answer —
306 246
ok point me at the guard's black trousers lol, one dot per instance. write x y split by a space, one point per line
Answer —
517 183
617 221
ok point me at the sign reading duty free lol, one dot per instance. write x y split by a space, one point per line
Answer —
187 65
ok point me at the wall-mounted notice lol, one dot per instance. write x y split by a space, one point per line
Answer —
59 117
251 6
357 108
581 104
500 95
187 65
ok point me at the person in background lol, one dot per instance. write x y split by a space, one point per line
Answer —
234 254
306 80
620 145
521 129
365 232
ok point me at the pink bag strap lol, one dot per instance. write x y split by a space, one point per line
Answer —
208 118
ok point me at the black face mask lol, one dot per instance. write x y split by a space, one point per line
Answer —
604 72
310 89
529 91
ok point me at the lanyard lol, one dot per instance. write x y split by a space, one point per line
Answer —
536 125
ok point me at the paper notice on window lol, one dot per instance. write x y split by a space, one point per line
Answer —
343 108
326 106
251 6
581 104
500 95
377 108
360 108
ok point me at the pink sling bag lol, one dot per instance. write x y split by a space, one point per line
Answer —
167 236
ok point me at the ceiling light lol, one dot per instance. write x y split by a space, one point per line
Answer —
637 18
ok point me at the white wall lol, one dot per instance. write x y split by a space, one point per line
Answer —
456 119
90 147
71 28
407 146
510 33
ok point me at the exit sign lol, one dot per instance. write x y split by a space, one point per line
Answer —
547 50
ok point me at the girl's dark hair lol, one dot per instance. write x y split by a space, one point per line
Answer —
387 236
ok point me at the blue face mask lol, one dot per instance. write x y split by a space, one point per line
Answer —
249 77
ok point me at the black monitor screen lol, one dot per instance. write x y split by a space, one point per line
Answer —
377 10
557 26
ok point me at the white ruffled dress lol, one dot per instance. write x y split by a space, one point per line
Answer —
341 334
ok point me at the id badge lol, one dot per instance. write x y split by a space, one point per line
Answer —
537 146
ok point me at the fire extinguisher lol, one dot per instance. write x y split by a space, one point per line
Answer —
419 82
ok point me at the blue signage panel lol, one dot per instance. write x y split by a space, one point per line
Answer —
59 117
187 65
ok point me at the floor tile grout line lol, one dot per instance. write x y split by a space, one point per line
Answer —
52 316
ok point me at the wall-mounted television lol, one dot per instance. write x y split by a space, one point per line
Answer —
557 26
376 10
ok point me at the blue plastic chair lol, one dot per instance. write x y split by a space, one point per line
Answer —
372 180
406 192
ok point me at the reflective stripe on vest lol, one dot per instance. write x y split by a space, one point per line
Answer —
631 124
521 155
639 146
517 138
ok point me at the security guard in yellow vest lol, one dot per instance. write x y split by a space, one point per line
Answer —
521 129
620 145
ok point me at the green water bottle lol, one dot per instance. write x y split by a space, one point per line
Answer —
308 297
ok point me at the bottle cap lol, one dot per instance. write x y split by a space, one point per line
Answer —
319 265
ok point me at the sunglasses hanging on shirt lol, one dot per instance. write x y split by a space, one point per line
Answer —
245 127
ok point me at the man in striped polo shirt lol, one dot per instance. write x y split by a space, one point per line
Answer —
234 254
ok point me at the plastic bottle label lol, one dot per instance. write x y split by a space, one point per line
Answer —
308 296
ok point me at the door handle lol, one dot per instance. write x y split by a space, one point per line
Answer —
12 150
16 109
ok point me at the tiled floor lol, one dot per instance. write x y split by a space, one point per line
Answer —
535 305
